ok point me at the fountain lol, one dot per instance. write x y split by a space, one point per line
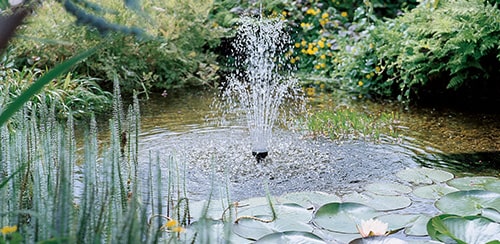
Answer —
262 82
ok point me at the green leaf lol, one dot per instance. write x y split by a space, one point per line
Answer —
474 183
343 217
310 198
291 237
290 217
418 227
468 202
469 229
398 221
378 240
41 82
424 175
378 202
433 191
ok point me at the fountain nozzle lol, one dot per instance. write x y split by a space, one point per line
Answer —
259 155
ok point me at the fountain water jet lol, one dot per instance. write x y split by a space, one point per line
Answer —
262 82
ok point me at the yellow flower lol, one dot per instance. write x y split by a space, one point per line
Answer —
344 14
321 44
360 83
310 91
8 229
297 45
368 76
322 86
293 60
372 227
322 65
322 22
322 56
377 69
325 16
303 43
284 13
177 229
171 223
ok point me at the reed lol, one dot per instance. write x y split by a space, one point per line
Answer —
53 192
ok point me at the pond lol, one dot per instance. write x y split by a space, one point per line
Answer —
216 155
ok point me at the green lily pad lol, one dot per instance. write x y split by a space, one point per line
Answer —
398 221
291 237
378 240
310 198
491 214
388 189
468 202
472 183
343 217
212 209
433 191
289 217
378 202
424 175
470 229
493 186
418 227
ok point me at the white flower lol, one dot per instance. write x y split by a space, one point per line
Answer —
14 3
372 227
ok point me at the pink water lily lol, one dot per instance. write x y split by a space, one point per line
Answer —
372 227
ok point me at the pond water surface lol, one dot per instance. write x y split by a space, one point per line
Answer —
217 156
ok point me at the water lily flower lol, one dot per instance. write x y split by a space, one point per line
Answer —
372 227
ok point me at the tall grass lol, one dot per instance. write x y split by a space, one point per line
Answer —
53 193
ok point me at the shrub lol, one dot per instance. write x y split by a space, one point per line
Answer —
439 45
78 95
170 48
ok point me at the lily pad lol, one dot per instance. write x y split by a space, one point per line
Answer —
378 202
398 221
493 186
310 198
212 209
468 202
291 237
472 183
256 222
424 175
491 214
388 189
418 227
433 191
378 240
343 217
470 229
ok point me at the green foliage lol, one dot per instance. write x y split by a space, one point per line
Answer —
171 50
440 45
41 202
344 123
80 96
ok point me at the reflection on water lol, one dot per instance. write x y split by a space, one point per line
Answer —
186 126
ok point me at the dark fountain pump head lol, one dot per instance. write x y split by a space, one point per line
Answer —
259 154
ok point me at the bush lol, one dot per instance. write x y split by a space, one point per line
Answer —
170 47
78 95
449 44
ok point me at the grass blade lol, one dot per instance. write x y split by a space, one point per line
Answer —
41 82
